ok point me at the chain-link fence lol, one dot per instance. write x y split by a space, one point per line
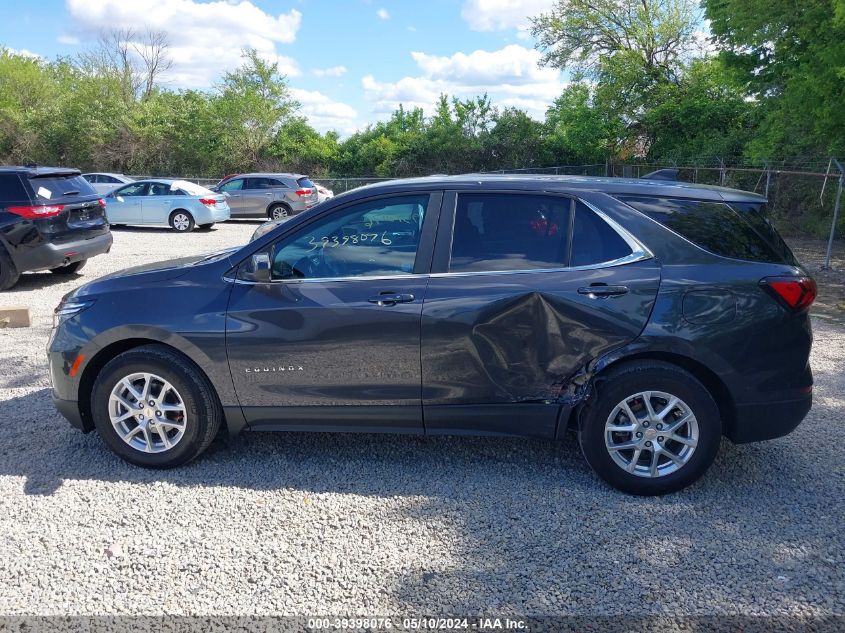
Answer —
802 195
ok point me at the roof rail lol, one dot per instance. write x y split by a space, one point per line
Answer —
662 174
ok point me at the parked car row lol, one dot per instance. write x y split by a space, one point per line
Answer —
56 218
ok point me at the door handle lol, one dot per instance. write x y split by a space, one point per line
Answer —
391 298
601 291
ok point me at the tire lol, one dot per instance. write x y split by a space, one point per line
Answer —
181 221
206 227
278 211
9 273
70 269
200 418
605 407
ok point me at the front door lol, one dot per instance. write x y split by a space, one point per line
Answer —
234 189
123 206
526 289
333 341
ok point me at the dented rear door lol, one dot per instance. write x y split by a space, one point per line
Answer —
500 347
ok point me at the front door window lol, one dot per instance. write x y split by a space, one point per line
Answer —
374 238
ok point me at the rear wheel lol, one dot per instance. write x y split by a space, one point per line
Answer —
70 269
651 428
278 212
9 274
181 221
155 408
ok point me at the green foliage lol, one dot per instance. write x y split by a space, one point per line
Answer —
790 57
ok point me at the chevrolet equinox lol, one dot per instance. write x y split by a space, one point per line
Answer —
650 317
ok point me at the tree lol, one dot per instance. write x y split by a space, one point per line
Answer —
790 57
254 102
635 52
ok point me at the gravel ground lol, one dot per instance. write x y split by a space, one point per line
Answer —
356 524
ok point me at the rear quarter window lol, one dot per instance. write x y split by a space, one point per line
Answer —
712 225
12 190
305 182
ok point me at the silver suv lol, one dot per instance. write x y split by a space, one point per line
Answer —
273 196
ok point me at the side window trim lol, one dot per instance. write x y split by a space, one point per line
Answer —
422 260
443 247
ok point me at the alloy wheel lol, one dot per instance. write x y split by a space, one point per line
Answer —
147 412
651 434
280 213
181 222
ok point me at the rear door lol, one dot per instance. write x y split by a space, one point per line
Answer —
158 203
525 290
257 196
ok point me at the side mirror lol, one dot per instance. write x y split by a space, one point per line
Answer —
258 268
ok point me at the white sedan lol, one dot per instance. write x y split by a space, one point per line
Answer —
179 204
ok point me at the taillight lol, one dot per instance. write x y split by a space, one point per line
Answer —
303 192
798 293
209 202
37 211
102 203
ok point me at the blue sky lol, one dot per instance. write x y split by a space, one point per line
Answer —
349 62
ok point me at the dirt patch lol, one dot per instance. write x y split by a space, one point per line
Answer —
830 304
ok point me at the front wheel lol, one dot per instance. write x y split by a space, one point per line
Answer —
155 408
181 221
651 428
70 269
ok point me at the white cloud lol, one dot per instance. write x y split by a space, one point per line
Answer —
324 113
206 38
510 76
334 71
383 14
23 52
503 15
71 40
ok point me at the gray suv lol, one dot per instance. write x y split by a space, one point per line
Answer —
273 196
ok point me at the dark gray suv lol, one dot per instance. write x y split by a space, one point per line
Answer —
650 317
267 195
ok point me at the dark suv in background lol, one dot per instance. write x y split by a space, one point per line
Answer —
50 219
650 317
267 195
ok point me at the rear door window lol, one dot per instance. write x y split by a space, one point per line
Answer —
496 232
47 188
712 225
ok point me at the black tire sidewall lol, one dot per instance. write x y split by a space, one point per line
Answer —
191 222
191 443
9 273
613 391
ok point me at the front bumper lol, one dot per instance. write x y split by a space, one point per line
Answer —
768 420
48 255
70 411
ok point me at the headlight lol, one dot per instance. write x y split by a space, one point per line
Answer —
264 229
66 310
